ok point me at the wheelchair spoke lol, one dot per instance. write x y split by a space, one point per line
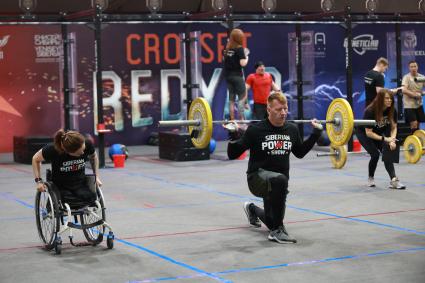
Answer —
46 218
93 234
89 218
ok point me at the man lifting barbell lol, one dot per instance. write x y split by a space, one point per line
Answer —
271 155
270 142
382 137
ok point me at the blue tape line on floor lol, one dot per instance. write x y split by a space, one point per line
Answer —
166 279
358 220
308 262
202 272
211 190
323 260
9 196
198 187
343 173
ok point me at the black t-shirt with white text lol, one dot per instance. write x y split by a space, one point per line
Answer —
372 79
271 146
382 127
232 65
67 171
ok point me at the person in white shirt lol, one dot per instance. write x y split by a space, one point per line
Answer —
412 97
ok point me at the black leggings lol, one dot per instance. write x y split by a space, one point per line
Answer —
374 148
274 189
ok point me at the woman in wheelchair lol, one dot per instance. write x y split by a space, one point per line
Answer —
68 156
68 192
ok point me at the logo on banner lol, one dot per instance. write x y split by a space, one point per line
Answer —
48 47
363 43
320 44
3 41
410 40
318 39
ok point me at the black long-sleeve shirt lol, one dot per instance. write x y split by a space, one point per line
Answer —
270 146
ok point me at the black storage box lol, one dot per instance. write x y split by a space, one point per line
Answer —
25 147
184 154
177 146
175 139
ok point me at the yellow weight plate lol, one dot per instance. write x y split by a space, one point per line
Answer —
340 134
339 156
421 135
200 110
412 149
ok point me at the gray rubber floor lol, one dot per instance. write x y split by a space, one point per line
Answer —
183 221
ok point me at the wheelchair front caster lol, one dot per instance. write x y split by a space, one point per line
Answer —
110 240
58 246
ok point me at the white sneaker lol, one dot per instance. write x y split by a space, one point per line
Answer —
396 184
371 182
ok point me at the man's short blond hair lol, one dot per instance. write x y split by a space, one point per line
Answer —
382 61
277 95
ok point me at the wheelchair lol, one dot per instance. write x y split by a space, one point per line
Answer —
56 214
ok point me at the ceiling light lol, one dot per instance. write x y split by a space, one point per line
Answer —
103 4
219 5
268 6
327 5
154 5
371 6
27 5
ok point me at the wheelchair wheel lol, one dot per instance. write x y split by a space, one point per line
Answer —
95 234
47 218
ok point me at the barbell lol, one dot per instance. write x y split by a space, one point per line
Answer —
339 120
413 148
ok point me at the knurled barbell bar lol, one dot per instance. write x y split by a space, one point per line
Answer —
197 123
339 119
413 148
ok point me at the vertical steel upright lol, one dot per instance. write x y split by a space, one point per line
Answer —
188 62
229 17
65 77
99 85
348 62
298 63
399 70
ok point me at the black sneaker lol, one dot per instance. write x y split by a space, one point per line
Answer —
281 236
252 219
